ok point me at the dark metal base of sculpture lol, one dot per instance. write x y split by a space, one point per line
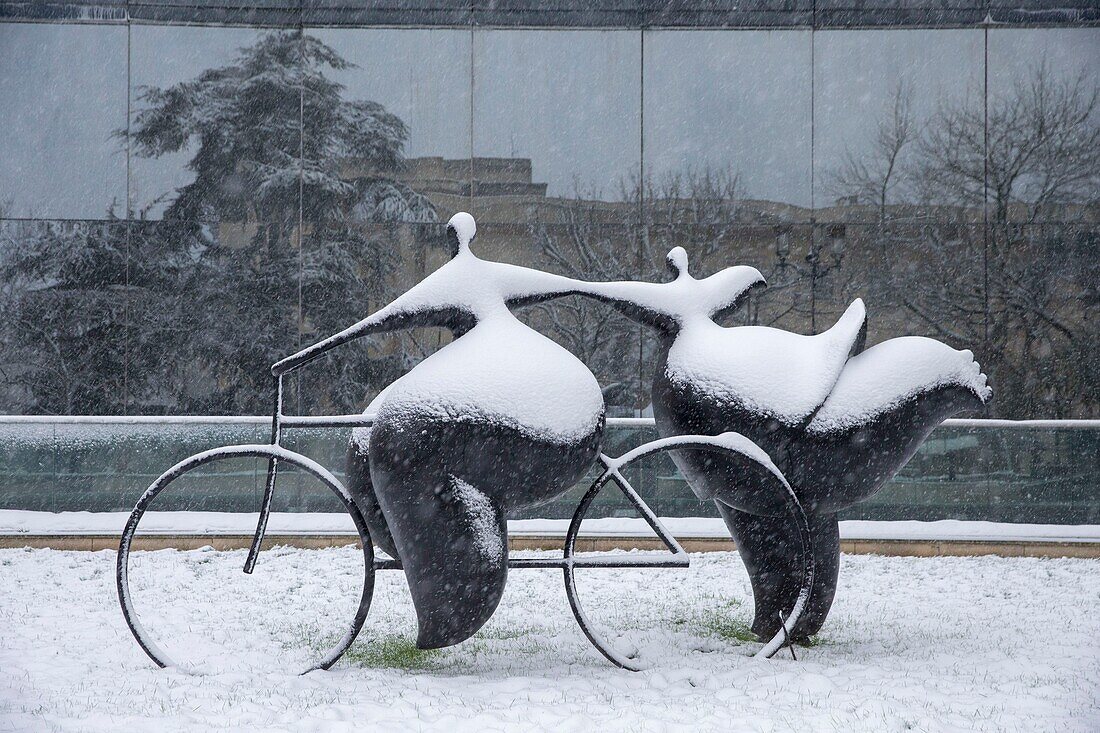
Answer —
444 489
771 549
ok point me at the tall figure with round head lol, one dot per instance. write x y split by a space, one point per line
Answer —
498 419
836 419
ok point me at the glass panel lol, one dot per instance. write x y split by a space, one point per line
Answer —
214 317
731 112
1044 125
369 265
556 137
898 124
387 126
1006 474
1043 313
64 101
1042 476
65 327
916 279
216 126
406 152
559 109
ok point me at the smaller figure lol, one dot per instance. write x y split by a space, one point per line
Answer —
838 421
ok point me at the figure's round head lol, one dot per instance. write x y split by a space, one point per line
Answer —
677 262
461 230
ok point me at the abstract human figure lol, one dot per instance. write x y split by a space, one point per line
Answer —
498 419
838 421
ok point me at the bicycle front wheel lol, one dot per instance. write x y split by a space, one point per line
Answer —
273 454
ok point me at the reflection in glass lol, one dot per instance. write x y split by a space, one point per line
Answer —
982 473
1044 125
421 76
1042 312
214 317
192 84
560 108
62 97
884 103
65 323
557 120
216 137
732 106
389 115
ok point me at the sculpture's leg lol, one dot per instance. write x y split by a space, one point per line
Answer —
451 537
361 488
456 558
772 553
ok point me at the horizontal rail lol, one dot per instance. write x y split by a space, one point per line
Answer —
323 421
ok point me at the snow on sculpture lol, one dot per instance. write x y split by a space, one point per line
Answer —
838 421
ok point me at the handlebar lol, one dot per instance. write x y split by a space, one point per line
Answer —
315 351
387 319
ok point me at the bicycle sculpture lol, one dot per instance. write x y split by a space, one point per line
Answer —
502 418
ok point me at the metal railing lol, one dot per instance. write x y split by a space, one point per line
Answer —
1041 471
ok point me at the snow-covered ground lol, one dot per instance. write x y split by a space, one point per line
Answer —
925 644
22 522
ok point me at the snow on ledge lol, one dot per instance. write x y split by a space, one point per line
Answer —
30 523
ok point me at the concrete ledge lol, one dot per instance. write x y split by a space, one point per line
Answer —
897 548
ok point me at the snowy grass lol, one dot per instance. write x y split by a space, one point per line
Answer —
929 644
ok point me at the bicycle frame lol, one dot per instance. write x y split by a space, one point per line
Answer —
280 421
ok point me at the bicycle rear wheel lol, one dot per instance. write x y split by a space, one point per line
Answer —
734 446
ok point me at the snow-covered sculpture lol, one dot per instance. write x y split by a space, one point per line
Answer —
836 419
503 418
499 419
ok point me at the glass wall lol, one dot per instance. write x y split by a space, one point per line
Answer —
191 191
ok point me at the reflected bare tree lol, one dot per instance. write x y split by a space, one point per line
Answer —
966 243
1043 149
878 175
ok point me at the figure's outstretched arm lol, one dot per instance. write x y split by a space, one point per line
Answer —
664 306
394 317
425 304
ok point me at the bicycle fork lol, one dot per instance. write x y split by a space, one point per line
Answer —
269 486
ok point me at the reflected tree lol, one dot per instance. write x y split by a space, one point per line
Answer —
300 245
875 175
88 318
286 228
966 242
